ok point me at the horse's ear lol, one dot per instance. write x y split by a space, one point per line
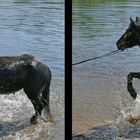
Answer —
137 19
132 21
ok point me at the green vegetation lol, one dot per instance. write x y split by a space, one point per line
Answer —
94 3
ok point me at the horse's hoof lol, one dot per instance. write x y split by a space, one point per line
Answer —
134 96
35 120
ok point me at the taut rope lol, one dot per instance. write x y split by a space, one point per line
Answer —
104 55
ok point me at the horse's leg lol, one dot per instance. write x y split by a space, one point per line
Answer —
37 103
46 101
38 106
129 83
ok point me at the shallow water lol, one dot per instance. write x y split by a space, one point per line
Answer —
35 27
99 86
16 111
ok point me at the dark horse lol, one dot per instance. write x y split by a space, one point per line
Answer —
33 76
130 39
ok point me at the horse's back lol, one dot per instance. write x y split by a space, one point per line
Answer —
7 60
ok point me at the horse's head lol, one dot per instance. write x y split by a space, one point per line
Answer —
131 37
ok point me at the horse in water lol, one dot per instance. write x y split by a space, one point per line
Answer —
27 73
129 39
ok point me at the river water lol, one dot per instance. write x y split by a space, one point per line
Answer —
35 27
100 96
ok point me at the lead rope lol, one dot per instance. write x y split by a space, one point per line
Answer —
104 55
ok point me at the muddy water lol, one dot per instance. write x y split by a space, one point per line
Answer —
100 97
35 27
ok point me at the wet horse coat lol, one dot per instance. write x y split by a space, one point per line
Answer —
30 74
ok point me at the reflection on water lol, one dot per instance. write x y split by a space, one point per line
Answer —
35 27
99 86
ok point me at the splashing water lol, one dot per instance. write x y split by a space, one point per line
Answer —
136 107
16 111
123 124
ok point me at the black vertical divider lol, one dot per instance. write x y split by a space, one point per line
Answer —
68 69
